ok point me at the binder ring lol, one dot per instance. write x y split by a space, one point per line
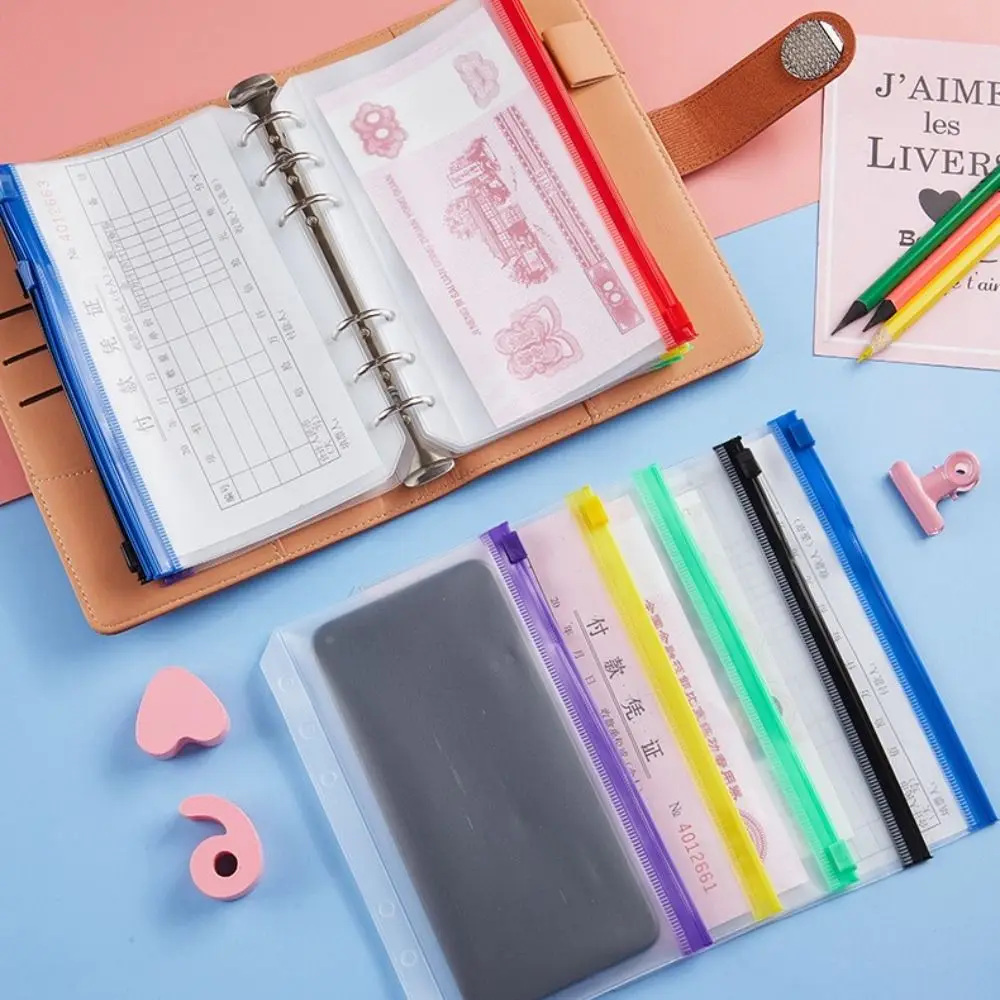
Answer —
403 357
359 317
286 161
271 116
402 406
256 96
303 203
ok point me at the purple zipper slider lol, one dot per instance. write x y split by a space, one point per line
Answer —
509 542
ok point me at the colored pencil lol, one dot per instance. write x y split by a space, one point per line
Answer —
951 248
935 290
922 249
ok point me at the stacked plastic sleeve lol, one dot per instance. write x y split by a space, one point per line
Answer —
569 754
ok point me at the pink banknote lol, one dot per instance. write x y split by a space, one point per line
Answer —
473 183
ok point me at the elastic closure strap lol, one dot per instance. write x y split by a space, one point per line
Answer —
579 52
726 114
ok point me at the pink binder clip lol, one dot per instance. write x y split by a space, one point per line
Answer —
959 474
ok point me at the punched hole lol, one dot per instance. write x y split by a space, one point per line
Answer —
226 864
961 470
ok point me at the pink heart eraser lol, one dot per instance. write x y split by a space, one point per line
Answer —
176 709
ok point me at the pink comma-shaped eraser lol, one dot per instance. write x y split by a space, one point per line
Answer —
229 865
179 708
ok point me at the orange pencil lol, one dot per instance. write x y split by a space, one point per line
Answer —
951 248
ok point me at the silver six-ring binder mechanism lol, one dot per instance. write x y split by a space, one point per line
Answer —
256 96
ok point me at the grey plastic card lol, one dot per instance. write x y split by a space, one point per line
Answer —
516 862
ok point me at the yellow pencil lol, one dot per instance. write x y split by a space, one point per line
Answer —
932 293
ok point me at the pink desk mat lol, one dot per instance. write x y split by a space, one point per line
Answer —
107 64
13 485
93 68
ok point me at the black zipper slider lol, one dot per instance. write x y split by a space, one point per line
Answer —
744 458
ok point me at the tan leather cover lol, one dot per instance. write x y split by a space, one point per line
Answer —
579 52
69 491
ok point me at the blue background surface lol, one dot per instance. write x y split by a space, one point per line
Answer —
95 898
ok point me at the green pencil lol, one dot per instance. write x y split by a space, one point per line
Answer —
922 249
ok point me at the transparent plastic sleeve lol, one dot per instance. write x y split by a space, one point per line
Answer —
498 857
718 523
645 721
752 746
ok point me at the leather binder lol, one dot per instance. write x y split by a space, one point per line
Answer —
637 150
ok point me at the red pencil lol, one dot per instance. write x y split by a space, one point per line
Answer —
976 224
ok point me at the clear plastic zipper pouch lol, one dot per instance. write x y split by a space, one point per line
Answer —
650 719
768 552
492 827
754 675
651 712
928 759
658 669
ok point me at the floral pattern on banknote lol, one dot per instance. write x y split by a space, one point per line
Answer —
535 343
480 75
488 209
380 132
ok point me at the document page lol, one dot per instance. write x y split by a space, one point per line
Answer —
215 382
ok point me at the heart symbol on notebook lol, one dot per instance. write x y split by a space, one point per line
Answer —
176 709
938 203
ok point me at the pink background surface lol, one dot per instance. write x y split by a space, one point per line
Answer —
91 68
80 70
12 482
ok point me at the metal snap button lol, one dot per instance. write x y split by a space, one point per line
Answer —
811 50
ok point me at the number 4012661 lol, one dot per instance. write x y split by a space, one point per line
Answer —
697 857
